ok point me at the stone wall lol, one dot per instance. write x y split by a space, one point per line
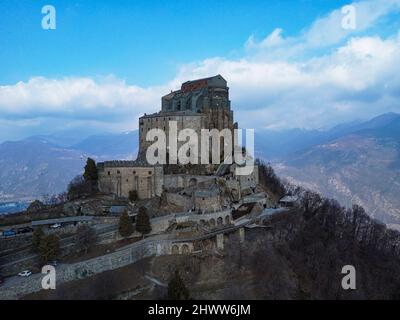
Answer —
166 122
121 179
211 219
180 202
173 181
13 262
249 181
207 201
80 270
120 258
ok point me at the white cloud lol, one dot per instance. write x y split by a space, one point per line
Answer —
323 32
358 79
272 40
80 96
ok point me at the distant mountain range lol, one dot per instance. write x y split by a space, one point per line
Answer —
356 162
272 144
34 166
44 165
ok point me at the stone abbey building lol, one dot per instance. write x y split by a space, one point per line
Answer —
199 104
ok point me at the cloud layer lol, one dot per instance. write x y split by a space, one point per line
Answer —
279 83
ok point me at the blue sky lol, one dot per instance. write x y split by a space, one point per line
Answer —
109 61
143 42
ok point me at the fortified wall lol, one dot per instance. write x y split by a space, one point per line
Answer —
121 177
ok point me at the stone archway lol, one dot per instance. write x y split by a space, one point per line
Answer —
212 222
220 221
175 249
227 220
185 249
235 196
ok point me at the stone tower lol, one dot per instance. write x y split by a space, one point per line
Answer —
199 104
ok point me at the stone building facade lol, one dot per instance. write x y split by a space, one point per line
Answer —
121 177
207 200
162 120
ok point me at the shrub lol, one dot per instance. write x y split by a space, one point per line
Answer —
35 206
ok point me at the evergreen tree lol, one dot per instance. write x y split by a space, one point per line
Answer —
37 237
90 173
177 289
125 225
49 248
143 222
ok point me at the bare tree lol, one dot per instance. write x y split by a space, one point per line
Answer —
85 238
235 252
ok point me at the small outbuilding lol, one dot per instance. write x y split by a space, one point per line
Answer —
289 201
207 200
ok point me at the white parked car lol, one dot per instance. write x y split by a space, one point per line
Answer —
55 226
25 273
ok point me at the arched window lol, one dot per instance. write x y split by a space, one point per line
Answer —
212 222
175 249
185 249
